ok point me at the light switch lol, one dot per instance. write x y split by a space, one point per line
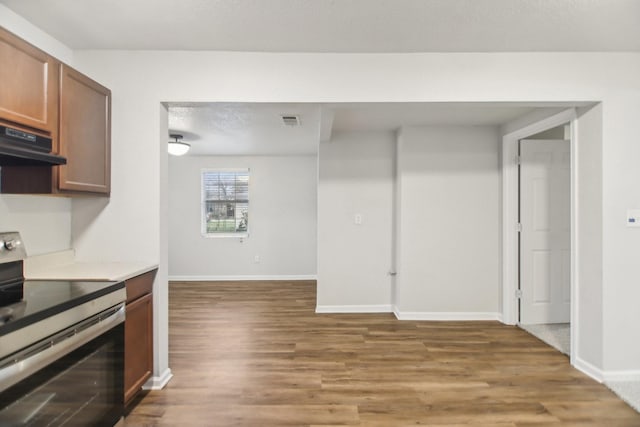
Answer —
633 218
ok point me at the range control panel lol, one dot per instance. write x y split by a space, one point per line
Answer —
11 247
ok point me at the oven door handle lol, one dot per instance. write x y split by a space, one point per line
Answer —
53 348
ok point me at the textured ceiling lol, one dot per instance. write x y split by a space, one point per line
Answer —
340 25
246 129
215 129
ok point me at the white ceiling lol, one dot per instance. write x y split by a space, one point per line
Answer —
339 25
367 26
256 128
391 116
245 129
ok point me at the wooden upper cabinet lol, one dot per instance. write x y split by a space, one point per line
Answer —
39 94
84 133
29 89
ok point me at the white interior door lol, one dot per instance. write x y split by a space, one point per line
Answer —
545 252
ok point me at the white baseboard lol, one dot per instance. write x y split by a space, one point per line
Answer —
630 375
588 369
158 383
447 316
382 308
396 312
245 277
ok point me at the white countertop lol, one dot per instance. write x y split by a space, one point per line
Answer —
63 266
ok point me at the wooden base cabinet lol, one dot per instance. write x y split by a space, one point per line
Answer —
138 334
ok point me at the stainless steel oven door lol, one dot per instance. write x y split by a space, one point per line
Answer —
74 378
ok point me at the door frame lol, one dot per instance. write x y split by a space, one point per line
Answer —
510 201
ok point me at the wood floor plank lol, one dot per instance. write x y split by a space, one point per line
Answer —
257 354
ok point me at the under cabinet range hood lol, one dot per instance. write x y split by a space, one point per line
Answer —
19 148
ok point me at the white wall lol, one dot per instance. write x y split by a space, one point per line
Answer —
44 222
141 80
588 150
449 222
34 35
162 372
354 260
282 221
621 244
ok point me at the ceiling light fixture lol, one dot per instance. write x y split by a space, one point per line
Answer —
178 148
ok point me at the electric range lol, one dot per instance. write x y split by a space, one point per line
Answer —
61 346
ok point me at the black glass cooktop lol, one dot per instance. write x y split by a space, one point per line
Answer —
44 298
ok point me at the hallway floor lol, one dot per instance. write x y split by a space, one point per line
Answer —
557 335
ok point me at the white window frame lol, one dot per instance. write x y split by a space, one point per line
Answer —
203 221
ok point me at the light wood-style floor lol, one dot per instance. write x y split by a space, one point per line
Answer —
256 354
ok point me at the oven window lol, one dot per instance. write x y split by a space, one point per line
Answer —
83 388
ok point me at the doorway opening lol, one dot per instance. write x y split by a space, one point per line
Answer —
544 186
539 230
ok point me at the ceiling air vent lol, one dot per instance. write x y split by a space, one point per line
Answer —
291 120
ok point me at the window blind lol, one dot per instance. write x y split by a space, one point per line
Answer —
225 201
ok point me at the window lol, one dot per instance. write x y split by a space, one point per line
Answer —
225 202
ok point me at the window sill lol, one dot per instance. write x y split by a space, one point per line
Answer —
225 235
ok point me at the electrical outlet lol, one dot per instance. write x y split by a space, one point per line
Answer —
633 218
256 259
357 219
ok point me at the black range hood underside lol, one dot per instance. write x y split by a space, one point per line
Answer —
12 155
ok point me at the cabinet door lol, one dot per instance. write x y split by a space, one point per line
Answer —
28 85
138 345
84 134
